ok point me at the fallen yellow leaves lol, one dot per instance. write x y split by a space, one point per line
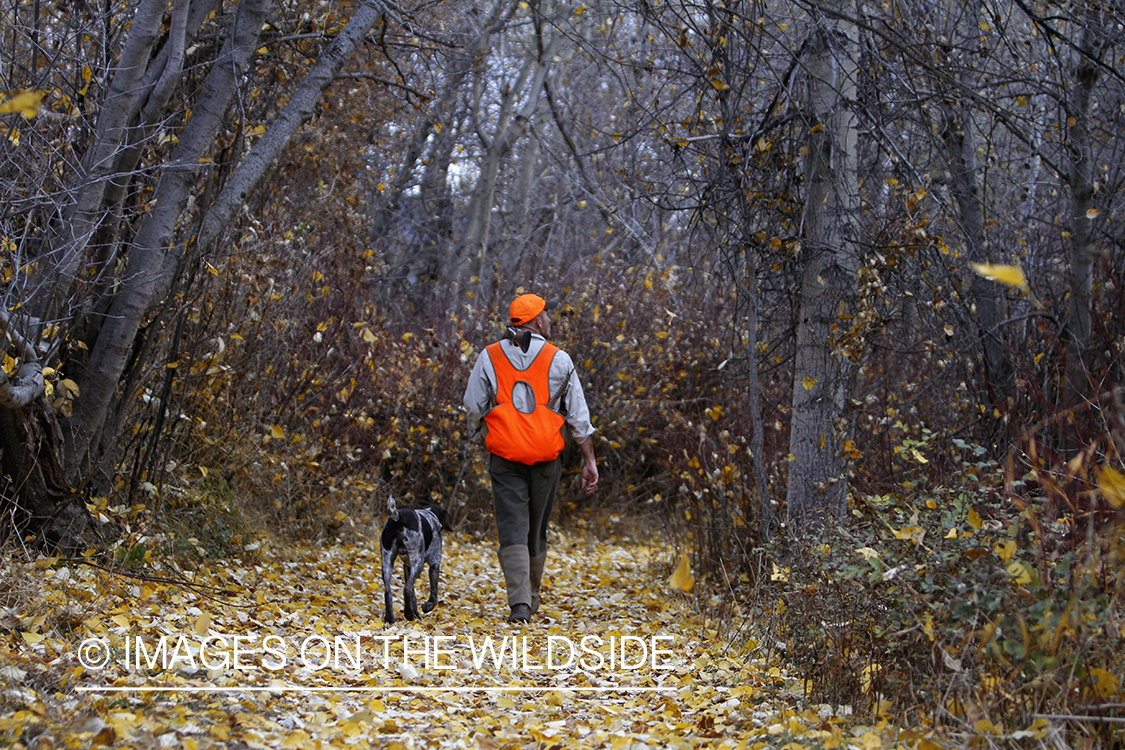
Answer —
1019 572
410 684
1005 550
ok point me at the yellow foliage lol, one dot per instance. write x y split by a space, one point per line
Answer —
910 533
1105 685
1005 549
1018 572
682 579
1004 274
1111 483
779 574
25 102
868 675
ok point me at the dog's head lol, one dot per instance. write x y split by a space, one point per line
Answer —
442 517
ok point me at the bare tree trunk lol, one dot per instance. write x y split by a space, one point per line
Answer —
156 259
751 296
732 61
518 262
296 113
424 259
824 378
439 125
151 263
510 128
1088 54
1034 163
161 82
957 133
83 214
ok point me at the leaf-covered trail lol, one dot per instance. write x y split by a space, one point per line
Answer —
316 667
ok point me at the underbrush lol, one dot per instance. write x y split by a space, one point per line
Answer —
347 406
985 600
206 522
18 588
974 607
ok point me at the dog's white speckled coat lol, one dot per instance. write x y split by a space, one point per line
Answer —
416 536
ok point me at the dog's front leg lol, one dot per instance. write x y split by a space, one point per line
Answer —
435 572
388 599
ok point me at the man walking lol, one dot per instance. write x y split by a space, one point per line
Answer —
521 392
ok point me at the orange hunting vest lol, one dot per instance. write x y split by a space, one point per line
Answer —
523 438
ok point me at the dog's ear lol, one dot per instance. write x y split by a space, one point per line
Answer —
443 518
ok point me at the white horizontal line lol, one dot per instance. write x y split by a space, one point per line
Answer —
388 689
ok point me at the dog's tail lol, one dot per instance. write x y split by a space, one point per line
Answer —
392 509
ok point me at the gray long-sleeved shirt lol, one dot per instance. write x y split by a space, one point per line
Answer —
567 397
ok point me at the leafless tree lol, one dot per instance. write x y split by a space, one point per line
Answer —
103 233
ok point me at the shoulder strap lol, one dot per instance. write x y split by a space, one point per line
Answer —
537 374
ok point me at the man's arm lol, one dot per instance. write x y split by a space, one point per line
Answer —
478 394
589 465
579 418
569 390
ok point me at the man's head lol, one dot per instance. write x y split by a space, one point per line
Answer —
530 311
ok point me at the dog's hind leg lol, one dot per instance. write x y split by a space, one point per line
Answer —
411 571
388 599
435 574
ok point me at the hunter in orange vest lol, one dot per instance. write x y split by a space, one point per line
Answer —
525 437
522 393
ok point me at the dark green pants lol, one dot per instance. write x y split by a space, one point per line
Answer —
523 497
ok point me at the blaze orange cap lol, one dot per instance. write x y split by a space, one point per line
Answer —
526 307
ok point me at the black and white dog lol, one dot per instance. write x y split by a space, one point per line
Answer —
416 536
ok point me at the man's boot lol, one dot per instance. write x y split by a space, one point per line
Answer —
516 564
536 576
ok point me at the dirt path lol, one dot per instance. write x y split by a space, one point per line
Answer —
612 660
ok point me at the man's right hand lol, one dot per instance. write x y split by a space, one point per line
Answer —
589 477
590 469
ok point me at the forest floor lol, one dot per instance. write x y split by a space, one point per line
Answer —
614 659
